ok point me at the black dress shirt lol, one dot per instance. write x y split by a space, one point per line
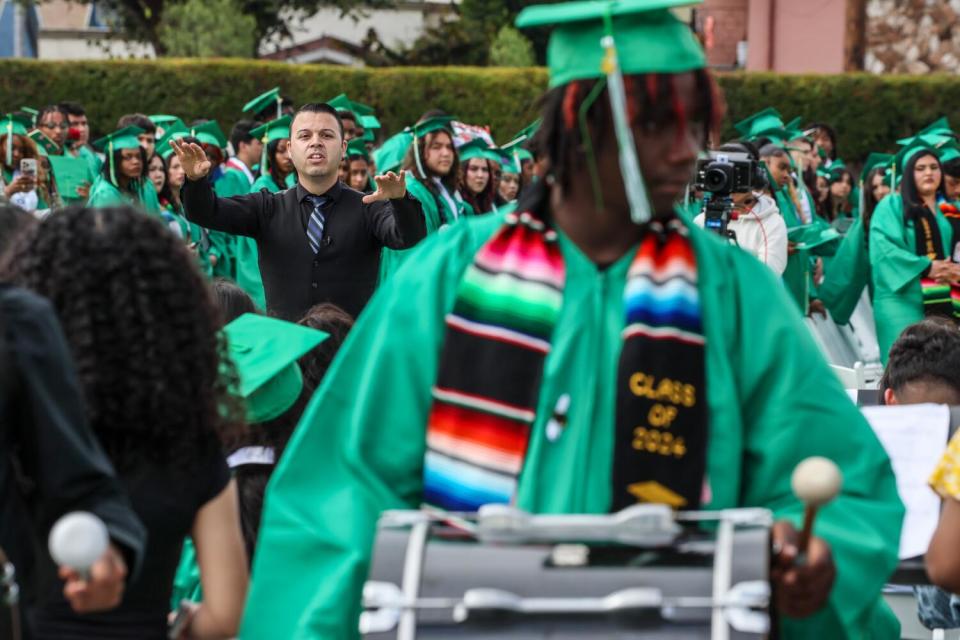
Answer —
345 269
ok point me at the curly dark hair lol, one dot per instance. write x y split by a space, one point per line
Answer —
142 328
927 352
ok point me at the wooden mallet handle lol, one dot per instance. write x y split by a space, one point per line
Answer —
815 481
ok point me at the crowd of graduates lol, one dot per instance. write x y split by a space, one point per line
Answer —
547 313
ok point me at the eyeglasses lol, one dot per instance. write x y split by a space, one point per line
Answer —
54 125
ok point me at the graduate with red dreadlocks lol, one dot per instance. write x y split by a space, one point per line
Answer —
521 358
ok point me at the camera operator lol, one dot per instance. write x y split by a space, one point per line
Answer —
755 220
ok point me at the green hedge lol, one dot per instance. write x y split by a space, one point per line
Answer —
870 112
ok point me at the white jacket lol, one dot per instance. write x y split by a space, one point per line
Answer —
762 233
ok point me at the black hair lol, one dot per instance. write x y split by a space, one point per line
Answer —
252 479
348 115
272 163
831 133
137 120
952 168
166 194
480 202
13 221
869 202
317 107
241 133
74 109
771 151
908 184
50 108
652 101
926 352
232 301
846 207
142 329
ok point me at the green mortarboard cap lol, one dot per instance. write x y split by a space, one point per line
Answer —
368 136
939 127
164 121
873 161
823 173
45 145
33 113
648 37
16 124
760 124
369 122
357 147
265 351
210 133
948 151
174 131
478 148
356 108
931 139
836 169
434 123
263 102
908 151
389 157
125 138
794 130
278 129
523 136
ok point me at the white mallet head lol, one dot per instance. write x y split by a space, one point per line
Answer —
816 481
77 540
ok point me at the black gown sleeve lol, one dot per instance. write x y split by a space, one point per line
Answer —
57 451
396 224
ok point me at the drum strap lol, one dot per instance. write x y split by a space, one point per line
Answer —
492 360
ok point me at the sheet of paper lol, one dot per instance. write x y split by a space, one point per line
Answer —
915 436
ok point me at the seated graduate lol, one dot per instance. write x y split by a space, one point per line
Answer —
554 333
924 366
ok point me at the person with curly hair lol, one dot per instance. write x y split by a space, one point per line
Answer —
144 333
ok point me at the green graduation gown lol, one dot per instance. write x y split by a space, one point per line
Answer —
391 259
796 277
772 399
104 194
896 268
847 274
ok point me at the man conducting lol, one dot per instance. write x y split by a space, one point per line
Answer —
319 241
523 357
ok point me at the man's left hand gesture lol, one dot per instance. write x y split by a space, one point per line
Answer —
800 589
389 187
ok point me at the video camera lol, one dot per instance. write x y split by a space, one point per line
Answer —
721 174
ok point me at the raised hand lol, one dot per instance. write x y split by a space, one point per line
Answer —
389 187
192 158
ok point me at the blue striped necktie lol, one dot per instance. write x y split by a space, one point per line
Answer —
316 222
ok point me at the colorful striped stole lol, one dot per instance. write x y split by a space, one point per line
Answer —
497 339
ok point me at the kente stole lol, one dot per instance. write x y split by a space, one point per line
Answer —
498 336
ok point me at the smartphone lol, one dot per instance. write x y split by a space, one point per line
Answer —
28 167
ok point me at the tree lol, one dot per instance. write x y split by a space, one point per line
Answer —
141 20
208 28
510 49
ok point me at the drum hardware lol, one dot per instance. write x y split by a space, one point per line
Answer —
559 548
10 594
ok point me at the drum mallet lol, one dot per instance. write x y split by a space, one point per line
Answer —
78 540
815 481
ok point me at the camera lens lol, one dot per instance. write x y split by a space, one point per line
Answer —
715 179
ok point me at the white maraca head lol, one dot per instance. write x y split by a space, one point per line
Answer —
816 481
77 540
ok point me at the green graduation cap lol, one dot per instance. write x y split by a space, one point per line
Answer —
369 122
174 131
264 101
13 124
345 103
368 136
164 121
767 123
265 351
45 145
210 133
836 169
357 148
389 157
647 36
903 156
425 126
873 161
949 150
939 127
478 148
33 113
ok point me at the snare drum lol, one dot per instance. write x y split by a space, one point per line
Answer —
561 577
